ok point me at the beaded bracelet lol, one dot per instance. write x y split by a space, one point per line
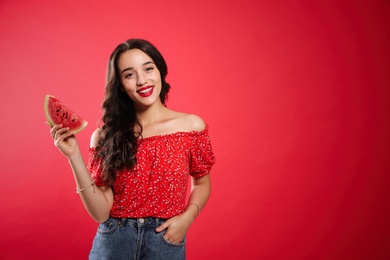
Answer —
83 189
195 205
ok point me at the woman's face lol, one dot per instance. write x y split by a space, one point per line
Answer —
140 78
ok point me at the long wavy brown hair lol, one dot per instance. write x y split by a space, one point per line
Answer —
117 146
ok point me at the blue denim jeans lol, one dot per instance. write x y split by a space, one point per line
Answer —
134 239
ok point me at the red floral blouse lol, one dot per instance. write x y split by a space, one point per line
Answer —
157 185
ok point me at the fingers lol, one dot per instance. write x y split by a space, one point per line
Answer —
173 239
169 238
58 133
167 235
172 235
54 129
163 226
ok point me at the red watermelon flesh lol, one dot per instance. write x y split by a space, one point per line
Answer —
57 113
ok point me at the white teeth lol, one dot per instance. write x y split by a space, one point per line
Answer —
145 91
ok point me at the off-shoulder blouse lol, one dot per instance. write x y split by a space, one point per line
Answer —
157 185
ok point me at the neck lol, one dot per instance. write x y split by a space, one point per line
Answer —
151 114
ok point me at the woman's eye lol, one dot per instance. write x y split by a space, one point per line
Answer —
129 75
149 69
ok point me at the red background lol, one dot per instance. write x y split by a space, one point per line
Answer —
296 94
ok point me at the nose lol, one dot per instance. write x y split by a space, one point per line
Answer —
141 80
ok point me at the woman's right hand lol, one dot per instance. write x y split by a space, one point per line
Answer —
64 140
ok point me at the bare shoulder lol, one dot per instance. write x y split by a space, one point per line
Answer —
191 122
95 137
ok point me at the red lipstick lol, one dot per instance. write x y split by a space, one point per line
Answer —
145 91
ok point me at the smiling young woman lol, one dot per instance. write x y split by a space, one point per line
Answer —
141 159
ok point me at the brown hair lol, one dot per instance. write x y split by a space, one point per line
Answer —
117 146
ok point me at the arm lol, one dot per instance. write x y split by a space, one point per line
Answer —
200 193
178 225
97 201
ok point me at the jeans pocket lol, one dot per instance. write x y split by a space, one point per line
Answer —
108 227
181 244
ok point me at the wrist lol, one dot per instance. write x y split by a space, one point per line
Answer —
192 210
75 156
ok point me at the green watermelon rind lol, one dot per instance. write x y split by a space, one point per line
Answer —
52 123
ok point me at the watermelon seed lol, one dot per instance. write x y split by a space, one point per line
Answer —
65 115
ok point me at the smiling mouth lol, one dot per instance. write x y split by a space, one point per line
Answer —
145 91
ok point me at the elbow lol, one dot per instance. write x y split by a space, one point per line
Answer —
101 218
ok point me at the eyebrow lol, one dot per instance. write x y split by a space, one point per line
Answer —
131 68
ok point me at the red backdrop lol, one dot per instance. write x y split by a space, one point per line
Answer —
295 93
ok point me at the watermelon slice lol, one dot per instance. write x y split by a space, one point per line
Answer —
57 113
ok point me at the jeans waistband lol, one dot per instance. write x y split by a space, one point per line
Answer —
139 221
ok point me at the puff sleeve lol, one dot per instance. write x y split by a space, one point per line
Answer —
201 155
95 168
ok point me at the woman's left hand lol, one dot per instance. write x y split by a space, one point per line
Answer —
176 228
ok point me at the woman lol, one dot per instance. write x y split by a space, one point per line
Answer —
141 157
